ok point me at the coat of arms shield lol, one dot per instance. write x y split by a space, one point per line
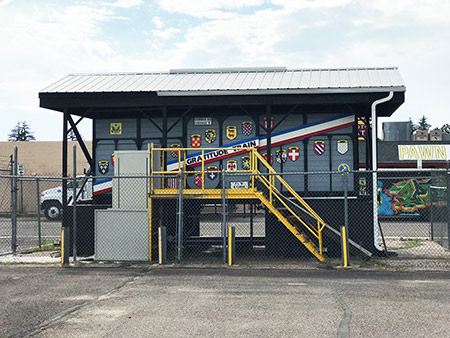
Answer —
342 146
281 155
211 174
231 165
247 128
293 153
245 162
319 147
103 167
210 135
231 132
196 140
175 153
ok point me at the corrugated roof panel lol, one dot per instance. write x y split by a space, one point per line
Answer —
258 78
315 79
210 81
374 76
325 81
266 82
57 84
334 78
72 82
295 80
136 82
224 82
172 82
186 82
285 79
355 80
117 84
247 81
253 79
86 84
150 81
364 77
235 82
154 82
239 80
122 84
166 80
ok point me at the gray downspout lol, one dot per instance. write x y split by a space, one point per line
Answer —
375 167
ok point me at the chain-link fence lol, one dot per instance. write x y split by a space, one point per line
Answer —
287 217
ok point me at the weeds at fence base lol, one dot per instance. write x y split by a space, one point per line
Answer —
46 246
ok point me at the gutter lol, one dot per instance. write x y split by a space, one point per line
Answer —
375 167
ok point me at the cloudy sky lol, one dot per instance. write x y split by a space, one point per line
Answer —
44 40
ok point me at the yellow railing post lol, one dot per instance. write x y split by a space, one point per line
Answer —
252 166
203 169
151 167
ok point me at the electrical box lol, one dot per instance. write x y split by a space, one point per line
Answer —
421 135
436 135
131 183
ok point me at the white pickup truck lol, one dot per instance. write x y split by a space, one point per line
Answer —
51 199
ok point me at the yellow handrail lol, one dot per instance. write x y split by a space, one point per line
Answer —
254 157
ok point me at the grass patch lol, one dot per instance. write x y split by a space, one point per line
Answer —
412 243
45 246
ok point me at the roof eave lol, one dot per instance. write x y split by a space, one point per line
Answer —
281 91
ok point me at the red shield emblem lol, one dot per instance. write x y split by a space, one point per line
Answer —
196 140
198 180
266 123
293 153
271 158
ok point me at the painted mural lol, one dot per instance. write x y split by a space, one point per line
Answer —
410 196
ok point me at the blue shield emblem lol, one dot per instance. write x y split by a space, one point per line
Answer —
319 147
212 175
103 167
210 135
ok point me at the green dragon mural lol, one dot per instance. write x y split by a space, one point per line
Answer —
412 195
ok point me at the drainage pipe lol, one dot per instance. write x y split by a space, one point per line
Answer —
375 167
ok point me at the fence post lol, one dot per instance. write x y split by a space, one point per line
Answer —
231 245
38 198
344 229
162 245
448 207
74 205
224 219
180 217
14 204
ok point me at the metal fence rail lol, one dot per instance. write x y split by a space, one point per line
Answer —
413 218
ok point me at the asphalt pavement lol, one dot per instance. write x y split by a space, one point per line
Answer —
147 300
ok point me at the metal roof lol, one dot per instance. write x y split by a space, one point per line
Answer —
235 81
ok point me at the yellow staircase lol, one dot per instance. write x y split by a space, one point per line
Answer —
262 187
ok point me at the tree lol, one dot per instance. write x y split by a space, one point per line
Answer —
423 124
445 129
71 136
21 132
412 126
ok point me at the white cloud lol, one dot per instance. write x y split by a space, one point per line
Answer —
5 2
166 34
44 41
157 22
206 8
126 3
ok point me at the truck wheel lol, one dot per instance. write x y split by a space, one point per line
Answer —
53 211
